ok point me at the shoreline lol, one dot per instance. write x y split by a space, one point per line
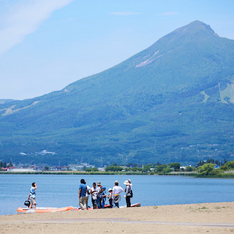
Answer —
226 175
187 218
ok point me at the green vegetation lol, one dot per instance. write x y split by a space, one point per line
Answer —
209 170
4 165
113 168
202 169
175 105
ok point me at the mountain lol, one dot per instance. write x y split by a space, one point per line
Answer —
173 102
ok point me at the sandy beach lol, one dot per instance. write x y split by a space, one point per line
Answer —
192 218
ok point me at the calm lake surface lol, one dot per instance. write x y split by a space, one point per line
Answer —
62 190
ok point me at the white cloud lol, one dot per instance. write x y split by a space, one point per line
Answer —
170 13
124 13
25 18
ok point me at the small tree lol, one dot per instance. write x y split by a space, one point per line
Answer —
46 168
175 166
189 168
230 164
10 164
207 169
161 167
95 169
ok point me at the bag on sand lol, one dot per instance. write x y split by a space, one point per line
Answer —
27 203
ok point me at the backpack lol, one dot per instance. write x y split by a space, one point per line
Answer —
131 192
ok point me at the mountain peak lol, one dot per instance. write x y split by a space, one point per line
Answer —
198 26
160 105
194 32
195 28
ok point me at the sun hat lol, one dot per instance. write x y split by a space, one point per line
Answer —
98 183
126 182
110 189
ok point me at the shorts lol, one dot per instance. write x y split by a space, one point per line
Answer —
33 201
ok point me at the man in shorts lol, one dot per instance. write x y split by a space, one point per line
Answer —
32 196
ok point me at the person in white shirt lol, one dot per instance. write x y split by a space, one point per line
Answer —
87 196
93 191
116 193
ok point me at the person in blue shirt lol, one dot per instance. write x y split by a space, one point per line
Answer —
103 197
32 196
82 194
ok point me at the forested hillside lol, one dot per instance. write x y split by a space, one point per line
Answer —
173 102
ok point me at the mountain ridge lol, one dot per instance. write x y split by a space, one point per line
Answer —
164 98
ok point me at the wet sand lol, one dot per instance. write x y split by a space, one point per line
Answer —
192 218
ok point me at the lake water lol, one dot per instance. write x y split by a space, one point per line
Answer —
62 190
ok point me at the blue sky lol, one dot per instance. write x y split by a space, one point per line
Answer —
47 44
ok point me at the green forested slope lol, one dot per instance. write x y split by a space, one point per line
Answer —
172 102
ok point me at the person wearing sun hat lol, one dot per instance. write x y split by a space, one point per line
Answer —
116 192
128 193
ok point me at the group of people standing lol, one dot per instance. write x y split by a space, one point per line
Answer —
97 192
99 196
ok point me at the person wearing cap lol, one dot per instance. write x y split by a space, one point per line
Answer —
103 197
116 193
93 191
99 194
128 193
110 197
82 194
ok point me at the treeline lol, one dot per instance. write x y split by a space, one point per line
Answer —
5 165
148 168
210 169
202 168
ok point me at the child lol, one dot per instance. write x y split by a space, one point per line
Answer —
103 197
110 197
32 196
